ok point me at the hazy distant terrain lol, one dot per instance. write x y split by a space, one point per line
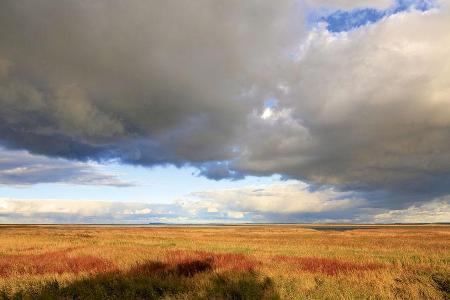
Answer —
225 262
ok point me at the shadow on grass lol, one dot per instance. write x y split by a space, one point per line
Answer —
442 282
156 280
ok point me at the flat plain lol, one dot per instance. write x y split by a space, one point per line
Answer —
225 262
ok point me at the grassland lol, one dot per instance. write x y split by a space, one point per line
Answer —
224 262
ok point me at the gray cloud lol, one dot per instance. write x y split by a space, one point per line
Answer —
148 82
436 211
277 202
22 168
185 83
295 201
368 109
350 4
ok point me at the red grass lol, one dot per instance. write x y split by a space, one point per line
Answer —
52 262
326 265
228 261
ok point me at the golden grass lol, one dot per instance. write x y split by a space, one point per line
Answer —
327 266
392 262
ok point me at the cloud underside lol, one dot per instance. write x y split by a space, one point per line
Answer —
20 168
154 83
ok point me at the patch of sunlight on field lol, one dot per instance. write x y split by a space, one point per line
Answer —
244 262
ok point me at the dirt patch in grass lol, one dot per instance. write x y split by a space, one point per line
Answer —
326 265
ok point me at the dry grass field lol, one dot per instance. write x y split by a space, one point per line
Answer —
224 262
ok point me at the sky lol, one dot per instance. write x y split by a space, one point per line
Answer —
309 111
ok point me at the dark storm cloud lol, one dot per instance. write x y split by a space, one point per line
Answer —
148 82
177 82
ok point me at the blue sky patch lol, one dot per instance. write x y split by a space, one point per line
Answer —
270 103
341 20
